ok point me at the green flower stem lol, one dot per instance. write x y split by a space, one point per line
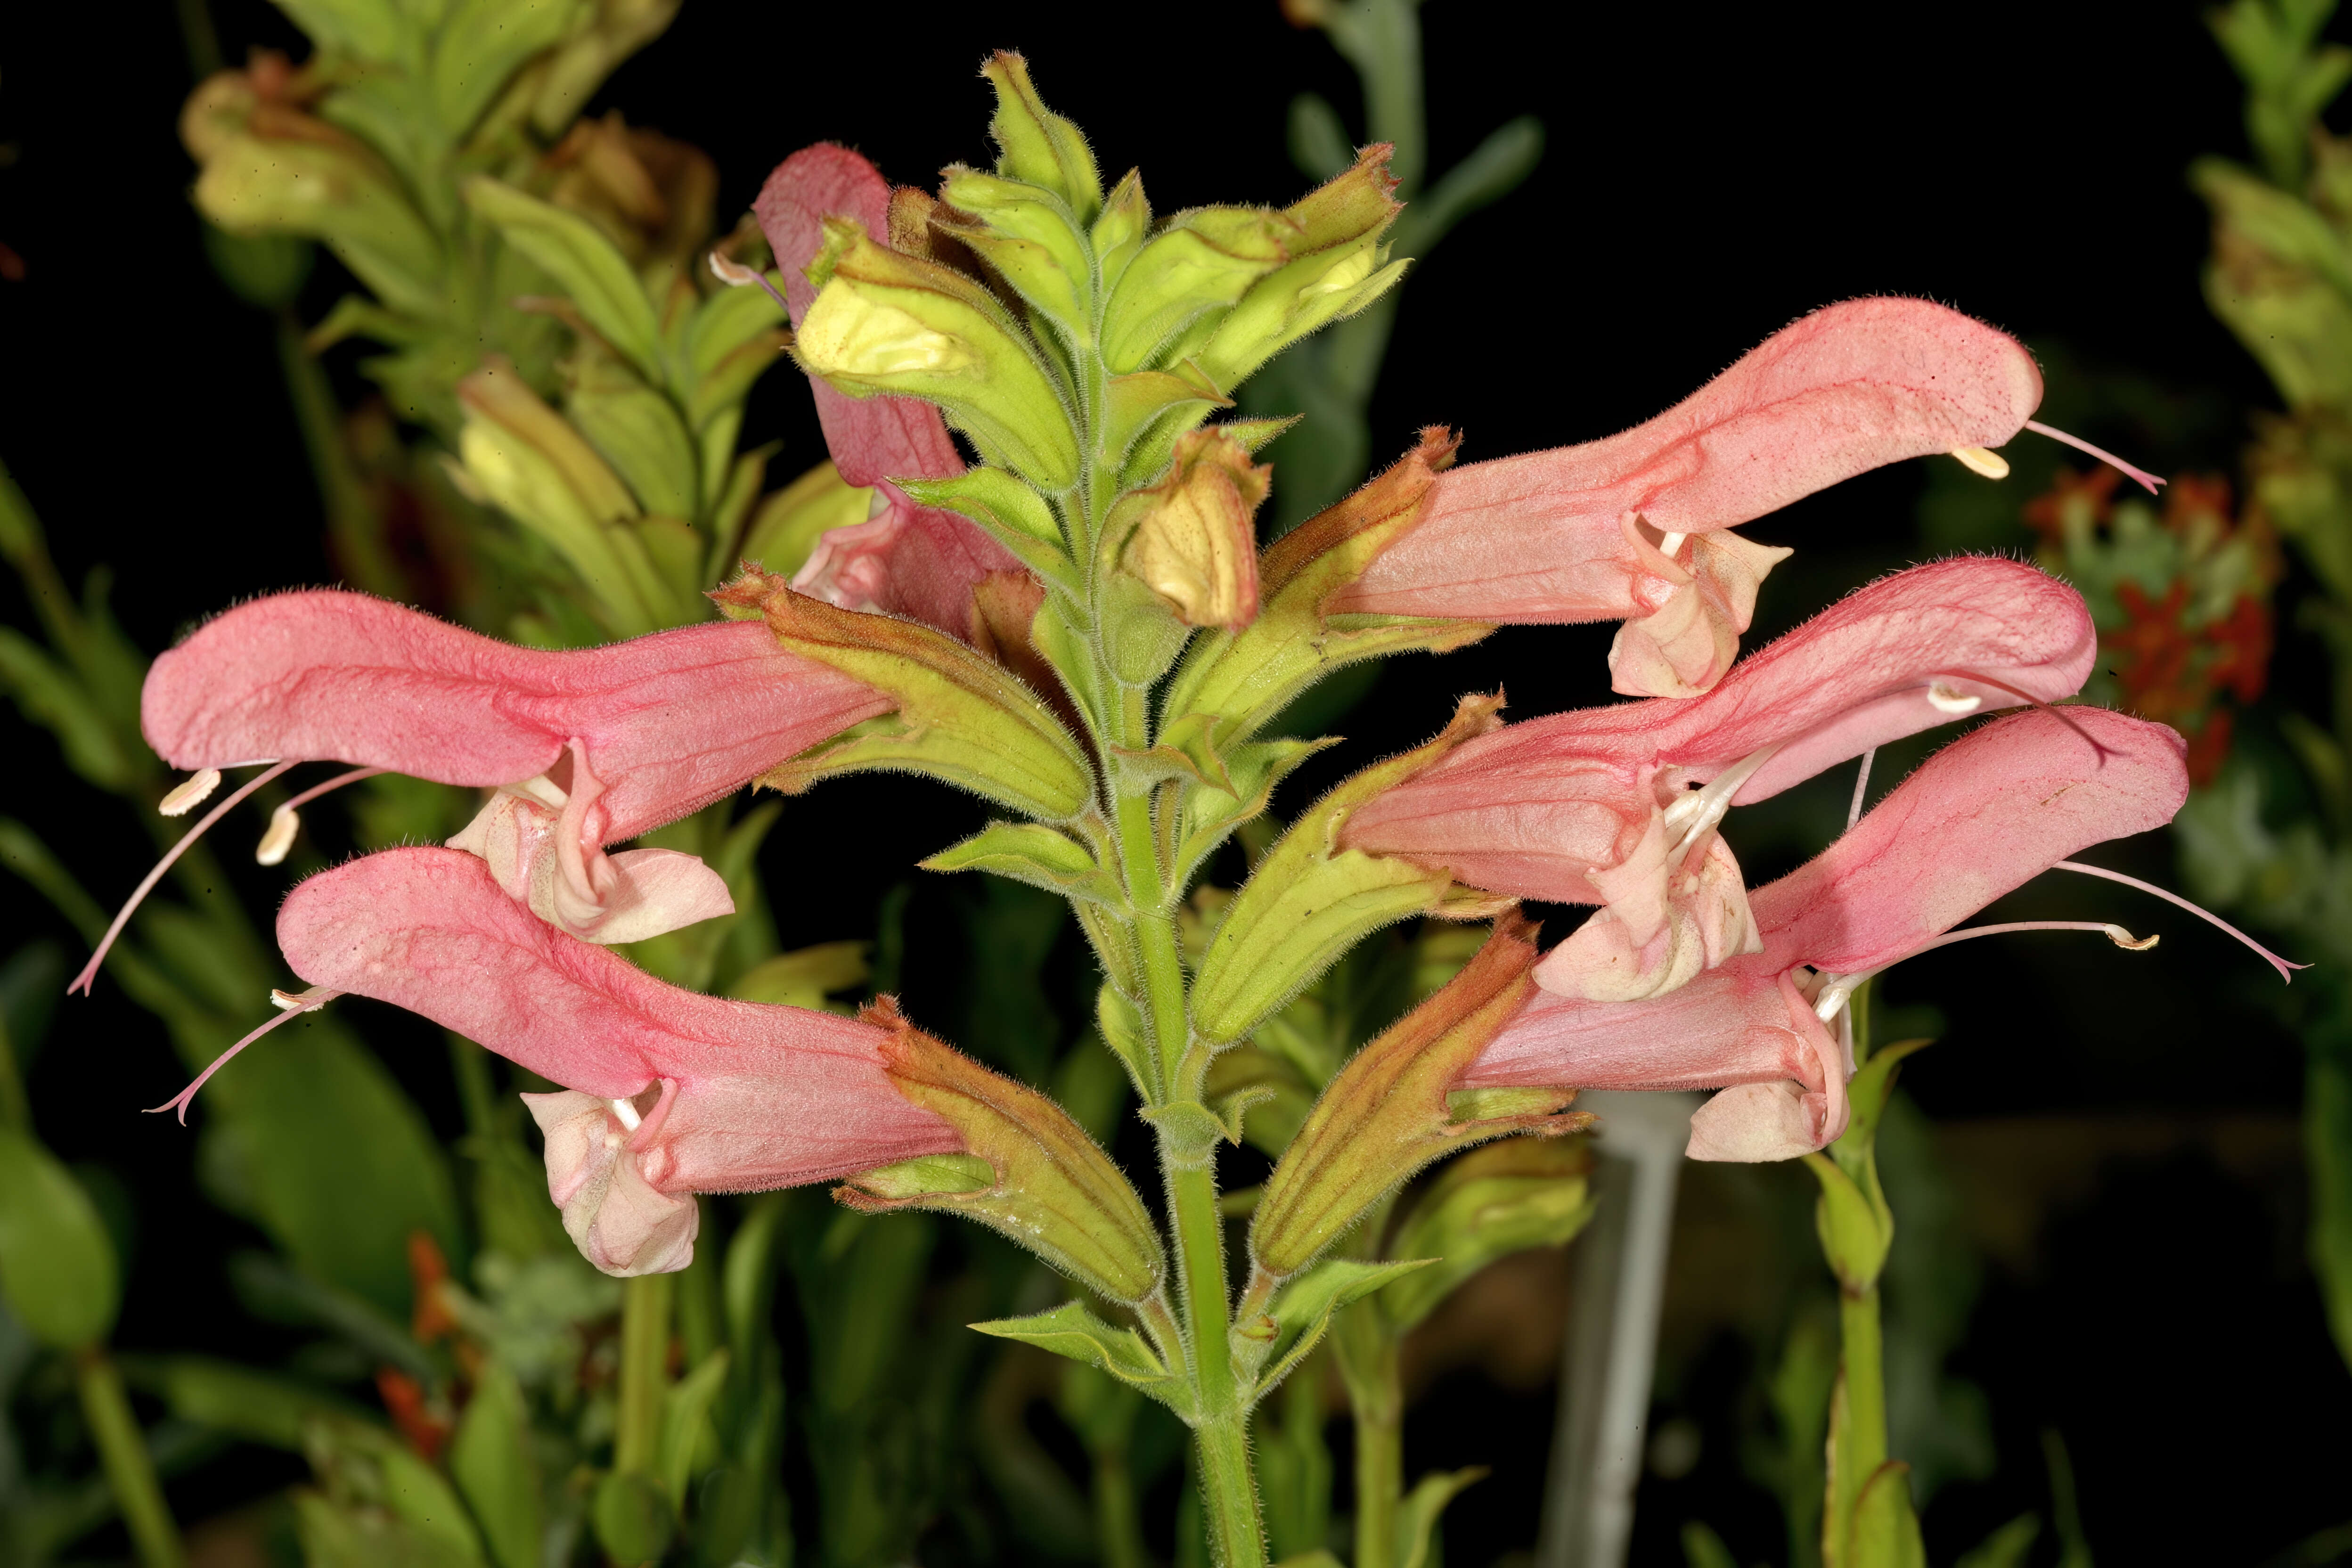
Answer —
129 1469
351 520
1370 1364
644 1366
1857 1418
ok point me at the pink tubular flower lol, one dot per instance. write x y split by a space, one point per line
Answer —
1984 816
905 560
667 1092
1633 527
586 748
1619 805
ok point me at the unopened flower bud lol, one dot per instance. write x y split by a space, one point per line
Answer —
1193 537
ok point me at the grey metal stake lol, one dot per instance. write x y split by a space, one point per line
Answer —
1620 1273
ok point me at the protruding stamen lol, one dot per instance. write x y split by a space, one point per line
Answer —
189 792
1982 460
284 823
627 1112
1836 988
287 820
1945 699
2022 696
1861 789
2138 476
735 274
90 970
1696 813
295 1004
1669 543
2285 969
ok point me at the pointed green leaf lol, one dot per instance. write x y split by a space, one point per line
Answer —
1417 1515
58 1270
1030 852
1071 1330
1886 1529
686 1412
1302 1311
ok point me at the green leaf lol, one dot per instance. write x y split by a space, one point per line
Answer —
1072 1331
2006 1547
491 1458
806 976
583 263
1417 1515
1009 510
685 1417
637 430
1303 1309
1031 852
1493 170
58 1271
50 697
258 1406
1038 145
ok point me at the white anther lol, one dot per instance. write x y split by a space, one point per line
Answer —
628 1114
1948 700
734 274
284 823
1835 990
1669 543
301 1001
1980 460
189 794
2129 942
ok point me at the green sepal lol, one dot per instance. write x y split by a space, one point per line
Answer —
595 276
1189 1131
335 192
1120 230
637 430
1052 1190
1120 1023
1183 750
1256 767
1247 677
1506 1197
1024 232
1856 1224
1386 1114
1073 1331
1134 401
1202 261
1030 852
960 716
57 1269
1037 145
1886 1526
929 1176
1417 1515
1310 899
889 323
1332 268
1015 515
1302 1311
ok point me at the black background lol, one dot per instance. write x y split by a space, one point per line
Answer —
1710 174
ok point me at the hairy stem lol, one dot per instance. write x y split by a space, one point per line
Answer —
1857 1420
129 1469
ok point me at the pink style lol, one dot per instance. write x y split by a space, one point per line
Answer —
1622 805
586 748
667 1092
1981 817
918 562
1634 527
